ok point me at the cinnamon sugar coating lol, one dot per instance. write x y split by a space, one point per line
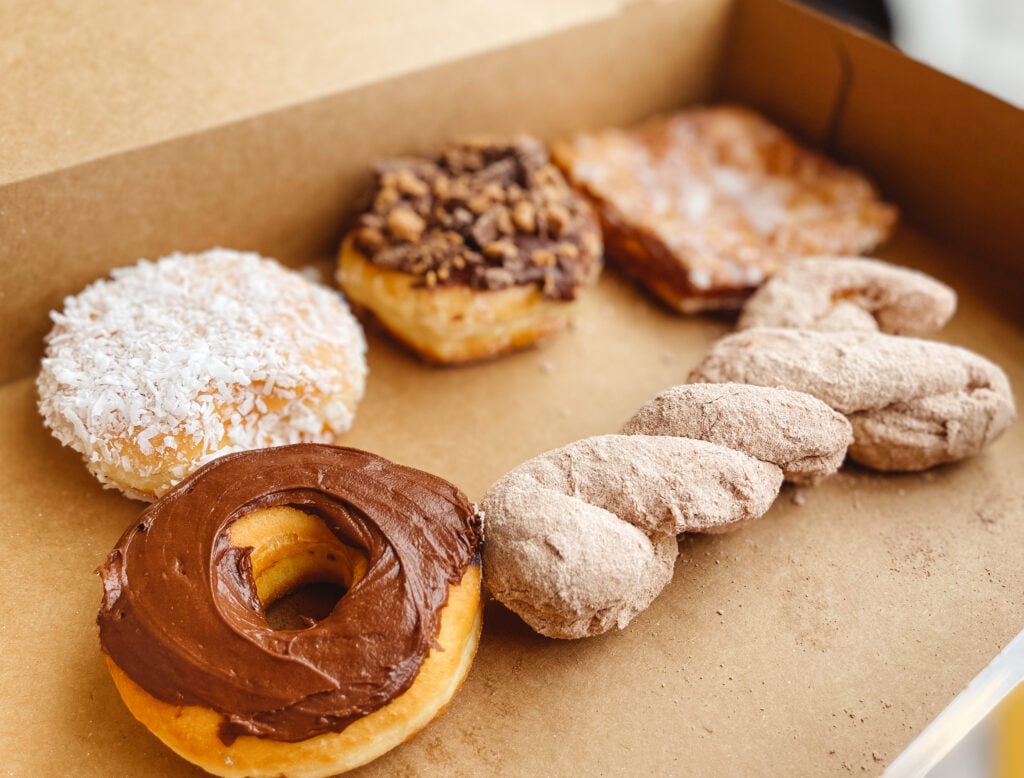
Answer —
913 404
850 293
797 432
583 538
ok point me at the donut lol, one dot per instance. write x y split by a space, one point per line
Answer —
703 205
187 641
912 403
581 539
473 253
168 364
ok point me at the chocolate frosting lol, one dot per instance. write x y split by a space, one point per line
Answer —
181 618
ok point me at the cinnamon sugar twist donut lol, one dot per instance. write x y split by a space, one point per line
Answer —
913 404
581 539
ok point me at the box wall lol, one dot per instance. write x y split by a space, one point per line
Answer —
283 183
951 156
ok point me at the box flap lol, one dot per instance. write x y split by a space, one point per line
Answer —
83 81
799 86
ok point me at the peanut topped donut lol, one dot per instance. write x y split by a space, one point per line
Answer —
170 363
471 253
186 588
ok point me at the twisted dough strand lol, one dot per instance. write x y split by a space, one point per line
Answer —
797 432
581 539
913 404
850 293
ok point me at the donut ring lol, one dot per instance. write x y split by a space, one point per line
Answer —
169 364
194 658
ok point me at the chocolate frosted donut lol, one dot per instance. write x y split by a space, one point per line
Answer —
183 612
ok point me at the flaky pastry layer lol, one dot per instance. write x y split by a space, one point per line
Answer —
703 205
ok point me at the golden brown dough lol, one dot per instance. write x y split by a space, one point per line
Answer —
704 205
453 324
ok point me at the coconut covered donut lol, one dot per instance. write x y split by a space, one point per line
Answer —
168 364
183 619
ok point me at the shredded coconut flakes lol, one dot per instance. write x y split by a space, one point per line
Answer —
227 350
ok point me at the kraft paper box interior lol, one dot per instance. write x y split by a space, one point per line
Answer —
816 641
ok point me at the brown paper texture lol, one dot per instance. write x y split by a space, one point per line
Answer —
816 641
819 639
83 82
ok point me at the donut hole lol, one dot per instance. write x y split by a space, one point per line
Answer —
303 607
300 568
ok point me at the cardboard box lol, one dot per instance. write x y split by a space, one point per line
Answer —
817 641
